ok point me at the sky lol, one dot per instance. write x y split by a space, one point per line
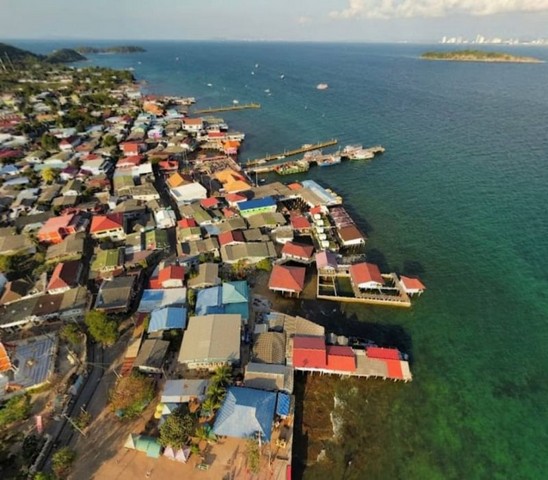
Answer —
275 20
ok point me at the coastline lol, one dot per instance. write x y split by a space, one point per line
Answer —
477 60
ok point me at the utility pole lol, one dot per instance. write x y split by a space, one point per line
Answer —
74 425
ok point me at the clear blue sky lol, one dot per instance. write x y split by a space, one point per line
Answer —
308 20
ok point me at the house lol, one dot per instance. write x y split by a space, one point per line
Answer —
253 207
165 218
57 228
154 299
350 235
300 224
246 413
184 391
208 276
65 276
193 125
287 280
232 297
189 234
309 352
231 238
108 226
70 248
156 240
267 220
73 187
16 245
167 318
115 295
211 341
151 356
250 253
209 246
145 444
68 144
340 359
132 148
188 193
297 252
172 276
270 348
14 291
366 276
412 286
108 262
210 202
326 260
263 376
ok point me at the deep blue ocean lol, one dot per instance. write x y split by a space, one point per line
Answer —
459 197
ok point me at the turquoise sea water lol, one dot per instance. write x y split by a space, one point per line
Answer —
459 197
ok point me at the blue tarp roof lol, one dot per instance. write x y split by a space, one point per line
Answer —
154 299
245 412
283 404
259 203
167 318
240 308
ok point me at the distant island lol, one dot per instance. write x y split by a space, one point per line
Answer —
478 56
9 53
119 49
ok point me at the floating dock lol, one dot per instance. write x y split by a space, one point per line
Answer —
228 108
289 153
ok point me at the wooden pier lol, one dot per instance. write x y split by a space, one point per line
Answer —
228 108
289 153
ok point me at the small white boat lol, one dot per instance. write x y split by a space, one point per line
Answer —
209 84
267 90
256 65
252 72
282 76
322 86
235 102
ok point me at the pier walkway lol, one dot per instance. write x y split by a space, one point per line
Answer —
228 108
289 153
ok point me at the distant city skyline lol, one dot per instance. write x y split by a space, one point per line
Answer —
421 21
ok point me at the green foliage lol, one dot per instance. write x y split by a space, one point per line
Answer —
7 263
131 395
43 476
265 265
71 333
49 174
16 408
83 420
109 141
62 461
176 430
191 298
30 447
209 406
101 328
253 455
49 142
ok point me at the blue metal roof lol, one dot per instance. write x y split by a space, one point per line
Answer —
209 301
246 412
283 404
259 203
167 318
235 292
239 308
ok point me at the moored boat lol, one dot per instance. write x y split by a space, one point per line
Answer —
290 168
328 160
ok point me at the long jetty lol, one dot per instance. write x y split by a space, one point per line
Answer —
228 108
290 153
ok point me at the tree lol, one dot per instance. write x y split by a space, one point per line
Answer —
222 375
131 394
16 408
49 142
43 476
216 392
6 263
83 420
209 406
109 141
62 460
49 174
71 333
176 430
205 433
101 328
265 264
253 455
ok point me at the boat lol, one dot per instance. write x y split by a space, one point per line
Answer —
256 65
282 76
267 90
362 154
290 168
209 84
252 73
235 102
351 148
322 86
328 160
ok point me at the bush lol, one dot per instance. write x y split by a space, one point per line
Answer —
71 333
62 461
17 408
102 329
131 395
176 430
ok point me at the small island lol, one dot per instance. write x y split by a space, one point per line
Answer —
118 49
478 56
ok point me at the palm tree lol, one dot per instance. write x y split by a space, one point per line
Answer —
205 433
216 392
222 375
210 405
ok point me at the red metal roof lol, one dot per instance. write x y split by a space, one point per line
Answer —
112 221
394 369
230 237
5 362
365 273
295 186
287 278
298 222
315 210
383 353
209 202
298 250
54 224
186 223
308 342
340 358
173 272
64 275
412 283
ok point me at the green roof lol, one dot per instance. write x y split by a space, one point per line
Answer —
106 259
157 238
